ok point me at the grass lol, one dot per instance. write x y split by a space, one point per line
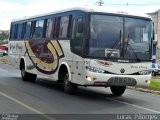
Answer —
154 84
154 87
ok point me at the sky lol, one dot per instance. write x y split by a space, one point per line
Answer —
12 9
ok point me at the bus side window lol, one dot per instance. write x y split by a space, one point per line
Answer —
38 29
13 29
49 28
19 31
78 35
63 29
27 30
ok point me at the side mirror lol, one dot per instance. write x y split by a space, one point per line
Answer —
155 36
155 39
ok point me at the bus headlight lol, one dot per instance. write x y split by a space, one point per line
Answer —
145 72
94 69
89 78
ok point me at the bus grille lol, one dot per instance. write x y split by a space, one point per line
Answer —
122 81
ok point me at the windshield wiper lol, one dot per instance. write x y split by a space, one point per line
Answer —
128 45
116 42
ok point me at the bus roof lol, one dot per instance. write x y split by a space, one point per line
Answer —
99 9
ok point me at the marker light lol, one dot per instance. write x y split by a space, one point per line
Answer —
148 81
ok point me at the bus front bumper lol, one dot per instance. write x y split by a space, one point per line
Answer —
100 79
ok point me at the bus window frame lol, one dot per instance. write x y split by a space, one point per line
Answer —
32 30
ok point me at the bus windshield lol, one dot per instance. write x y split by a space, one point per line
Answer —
120 37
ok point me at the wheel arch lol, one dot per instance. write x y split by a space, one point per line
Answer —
64 67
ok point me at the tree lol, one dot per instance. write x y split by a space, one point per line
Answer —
4 35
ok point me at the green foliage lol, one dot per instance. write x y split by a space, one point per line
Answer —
4 35
155 84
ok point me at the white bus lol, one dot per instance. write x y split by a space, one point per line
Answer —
84 46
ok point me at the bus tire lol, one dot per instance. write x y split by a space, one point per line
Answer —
32 77
27 76
68 86
24 74
118 90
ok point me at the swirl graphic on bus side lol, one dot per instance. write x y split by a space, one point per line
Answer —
45 55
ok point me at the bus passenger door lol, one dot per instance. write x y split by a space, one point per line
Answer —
77 41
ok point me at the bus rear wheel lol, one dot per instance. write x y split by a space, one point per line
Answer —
118 90
27 76
68 86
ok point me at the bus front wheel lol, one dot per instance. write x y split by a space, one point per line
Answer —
68 86
118 90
